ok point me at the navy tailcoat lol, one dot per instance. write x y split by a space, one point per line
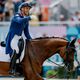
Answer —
18 25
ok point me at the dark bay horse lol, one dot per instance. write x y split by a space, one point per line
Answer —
40 49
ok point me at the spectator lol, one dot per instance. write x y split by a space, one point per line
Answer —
62 18
2 4
9 10
40 15
45 13
35 11
76 16
71 30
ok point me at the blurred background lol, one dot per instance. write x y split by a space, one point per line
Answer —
59 18
45 10
53 17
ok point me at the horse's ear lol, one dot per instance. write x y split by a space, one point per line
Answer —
72 42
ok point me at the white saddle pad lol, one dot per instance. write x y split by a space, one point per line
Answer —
5 57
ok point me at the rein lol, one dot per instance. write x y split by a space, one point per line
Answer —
63 59
59 65
55 63
62 62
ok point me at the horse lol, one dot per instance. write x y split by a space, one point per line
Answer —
38 50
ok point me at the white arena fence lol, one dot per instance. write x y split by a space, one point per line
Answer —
41 29
23 79
3 78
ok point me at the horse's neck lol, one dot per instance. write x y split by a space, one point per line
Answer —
62 51
46 48
43 50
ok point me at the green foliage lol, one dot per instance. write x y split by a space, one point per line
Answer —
51 73
60 73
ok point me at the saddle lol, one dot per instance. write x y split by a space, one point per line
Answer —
21 47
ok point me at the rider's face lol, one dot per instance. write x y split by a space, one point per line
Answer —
25 10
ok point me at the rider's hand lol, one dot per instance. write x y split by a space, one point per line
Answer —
33 17
28 39
3 44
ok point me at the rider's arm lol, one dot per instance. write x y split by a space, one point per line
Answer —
26 32
19 19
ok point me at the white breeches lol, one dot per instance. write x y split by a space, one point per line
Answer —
14 43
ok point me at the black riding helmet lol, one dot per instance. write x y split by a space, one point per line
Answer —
24 4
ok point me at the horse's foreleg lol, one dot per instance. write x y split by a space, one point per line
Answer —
33 77
37 79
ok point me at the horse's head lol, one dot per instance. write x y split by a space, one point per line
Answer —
68 56
70 52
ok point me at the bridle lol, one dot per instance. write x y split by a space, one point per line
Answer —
66 54
70 63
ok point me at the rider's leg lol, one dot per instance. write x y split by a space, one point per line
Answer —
13 63
15 48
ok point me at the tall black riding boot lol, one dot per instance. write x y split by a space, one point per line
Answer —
13 63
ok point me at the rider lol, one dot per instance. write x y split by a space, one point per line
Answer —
19 24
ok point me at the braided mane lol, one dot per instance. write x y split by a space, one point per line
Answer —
43 37
49 37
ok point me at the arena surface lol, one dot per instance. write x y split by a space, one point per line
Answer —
11 78
2 78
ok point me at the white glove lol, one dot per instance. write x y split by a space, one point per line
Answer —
33 17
